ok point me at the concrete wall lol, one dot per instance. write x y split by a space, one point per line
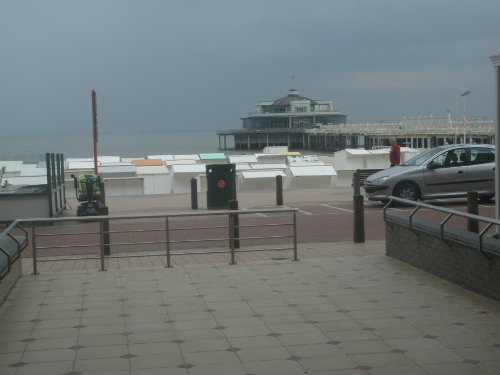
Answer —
459 261
22 206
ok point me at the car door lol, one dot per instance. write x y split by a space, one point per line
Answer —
447 175
481 170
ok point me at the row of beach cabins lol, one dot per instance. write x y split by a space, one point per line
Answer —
172 174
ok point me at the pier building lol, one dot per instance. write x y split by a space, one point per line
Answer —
292 112
312 125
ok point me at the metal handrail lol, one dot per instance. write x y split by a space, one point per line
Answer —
104 243
156 215
21 245
450 212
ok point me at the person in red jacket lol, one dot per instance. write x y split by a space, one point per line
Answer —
395 153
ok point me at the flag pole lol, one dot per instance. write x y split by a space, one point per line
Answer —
94 124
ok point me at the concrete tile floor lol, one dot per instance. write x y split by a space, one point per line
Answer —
339 315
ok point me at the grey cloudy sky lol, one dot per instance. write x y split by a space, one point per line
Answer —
160 65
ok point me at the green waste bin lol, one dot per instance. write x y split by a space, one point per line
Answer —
221 185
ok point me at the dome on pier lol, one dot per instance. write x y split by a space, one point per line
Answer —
293 95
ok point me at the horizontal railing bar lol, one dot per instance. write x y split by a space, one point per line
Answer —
261 237
45 259
202 240
134 243
267 249
159 215
63 234
445 210
158 242
163 254
160 253
236 226
65 246
218 227
136 255
263 225
203 252
134 231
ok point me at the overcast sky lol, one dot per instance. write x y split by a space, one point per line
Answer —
200 65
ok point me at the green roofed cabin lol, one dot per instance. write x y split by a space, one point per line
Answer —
213 158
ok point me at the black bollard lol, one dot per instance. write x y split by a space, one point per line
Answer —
472 208
359 218
233 205
356 183
194 194
279 190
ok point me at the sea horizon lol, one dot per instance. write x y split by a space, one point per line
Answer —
32 148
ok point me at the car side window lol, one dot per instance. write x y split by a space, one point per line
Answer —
440 160
452 158
482 155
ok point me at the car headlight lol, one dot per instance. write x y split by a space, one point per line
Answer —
378 181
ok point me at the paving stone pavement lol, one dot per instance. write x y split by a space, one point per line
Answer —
336 314
344 308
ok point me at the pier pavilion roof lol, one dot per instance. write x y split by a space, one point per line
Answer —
292 96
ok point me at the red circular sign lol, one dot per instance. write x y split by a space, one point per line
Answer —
221 184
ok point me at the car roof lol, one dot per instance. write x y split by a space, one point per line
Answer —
461 145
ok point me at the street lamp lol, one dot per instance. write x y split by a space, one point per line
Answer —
464 94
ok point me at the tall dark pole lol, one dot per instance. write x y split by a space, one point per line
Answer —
94 123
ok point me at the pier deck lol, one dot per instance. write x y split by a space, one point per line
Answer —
416 133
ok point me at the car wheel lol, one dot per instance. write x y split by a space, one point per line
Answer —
407 190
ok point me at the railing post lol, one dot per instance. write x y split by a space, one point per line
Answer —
101 232
295 252
472 208
107 242
233 205
359 218
194 194
33 242
231 238
167 234
279 190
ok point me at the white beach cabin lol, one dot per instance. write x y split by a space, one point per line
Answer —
121 180
259 179
181 175
156 179
310 177
346 162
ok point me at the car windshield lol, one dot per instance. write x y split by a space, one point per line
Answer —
422 157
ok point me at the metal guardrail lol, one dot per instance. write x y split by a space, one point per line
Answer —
418 205
20 246
105 243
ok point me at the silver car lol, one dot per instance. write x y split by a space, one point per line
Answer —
448 171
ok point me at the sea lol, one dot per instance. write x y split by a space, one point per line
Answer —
32 148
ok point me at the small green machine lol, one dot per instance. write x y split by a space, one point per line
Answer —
88 191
